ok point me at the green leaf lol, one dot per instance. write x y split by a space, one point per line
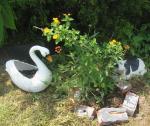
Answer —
8 16
1 29
137 41
48 38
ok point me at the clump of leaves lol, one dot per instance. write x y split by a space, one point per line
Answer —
7 20
89 66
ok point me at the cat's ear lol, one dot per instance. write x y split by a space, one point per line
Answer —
127 68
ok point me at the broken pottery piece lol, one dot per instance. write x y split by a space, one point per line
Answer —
124 86
130 103
91 112
82 111
107 116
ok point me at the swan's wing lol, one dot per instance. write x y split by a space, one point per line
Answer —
21 66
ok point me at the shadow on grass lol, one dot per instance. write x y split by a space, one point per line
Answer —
5 83
18 105
44 101
22 107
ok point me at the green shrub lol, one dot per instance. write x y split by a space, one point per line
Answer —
6 19
124 20
89 66
138 39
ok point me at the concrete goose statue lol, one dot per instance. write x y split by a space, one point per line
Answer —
42 77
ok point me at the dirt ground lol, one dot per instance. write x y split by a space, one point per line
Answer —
142 88
19 108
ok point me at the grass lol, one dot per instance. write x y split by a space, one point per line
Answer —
19 108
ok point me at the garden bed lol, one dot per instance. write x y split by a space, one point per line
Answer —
47 109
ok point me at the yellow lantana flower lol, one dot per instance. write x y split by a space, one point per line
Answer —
46 30
56 21
114 42
56 36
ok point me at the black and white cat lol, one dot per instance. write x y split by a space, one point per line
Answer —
131 67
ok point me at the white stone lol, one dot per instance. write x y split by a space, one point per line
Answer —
82 111
90 112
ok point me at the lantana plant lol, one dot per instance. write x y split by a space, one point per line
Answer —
89 65
59 31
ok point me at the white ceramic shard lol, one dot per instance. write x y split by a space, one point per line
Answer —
81 110
90 112
85 111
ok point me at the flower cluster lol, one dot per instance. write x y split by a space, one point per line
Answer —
58 49
56 21
114 42
82 51
56 36
46 31
58 30
50 32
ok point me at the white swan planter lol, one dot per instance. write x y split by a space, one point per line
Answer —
39 81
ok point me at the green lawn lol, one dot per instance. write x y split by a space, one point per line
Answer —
18 108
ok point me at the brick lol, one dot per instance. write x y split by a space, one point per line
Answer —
107 116
130 103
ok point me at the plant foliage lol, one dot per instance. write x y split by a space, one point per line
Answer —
89 65
6 19
124 20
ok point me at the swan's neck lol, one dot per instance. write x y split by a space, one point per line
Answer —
41 66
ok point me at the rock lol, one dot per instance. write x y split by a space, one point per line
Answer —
91 112
107 116
82 111
130 103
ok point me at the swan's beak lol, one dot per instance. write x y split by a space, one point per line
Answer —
49 58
